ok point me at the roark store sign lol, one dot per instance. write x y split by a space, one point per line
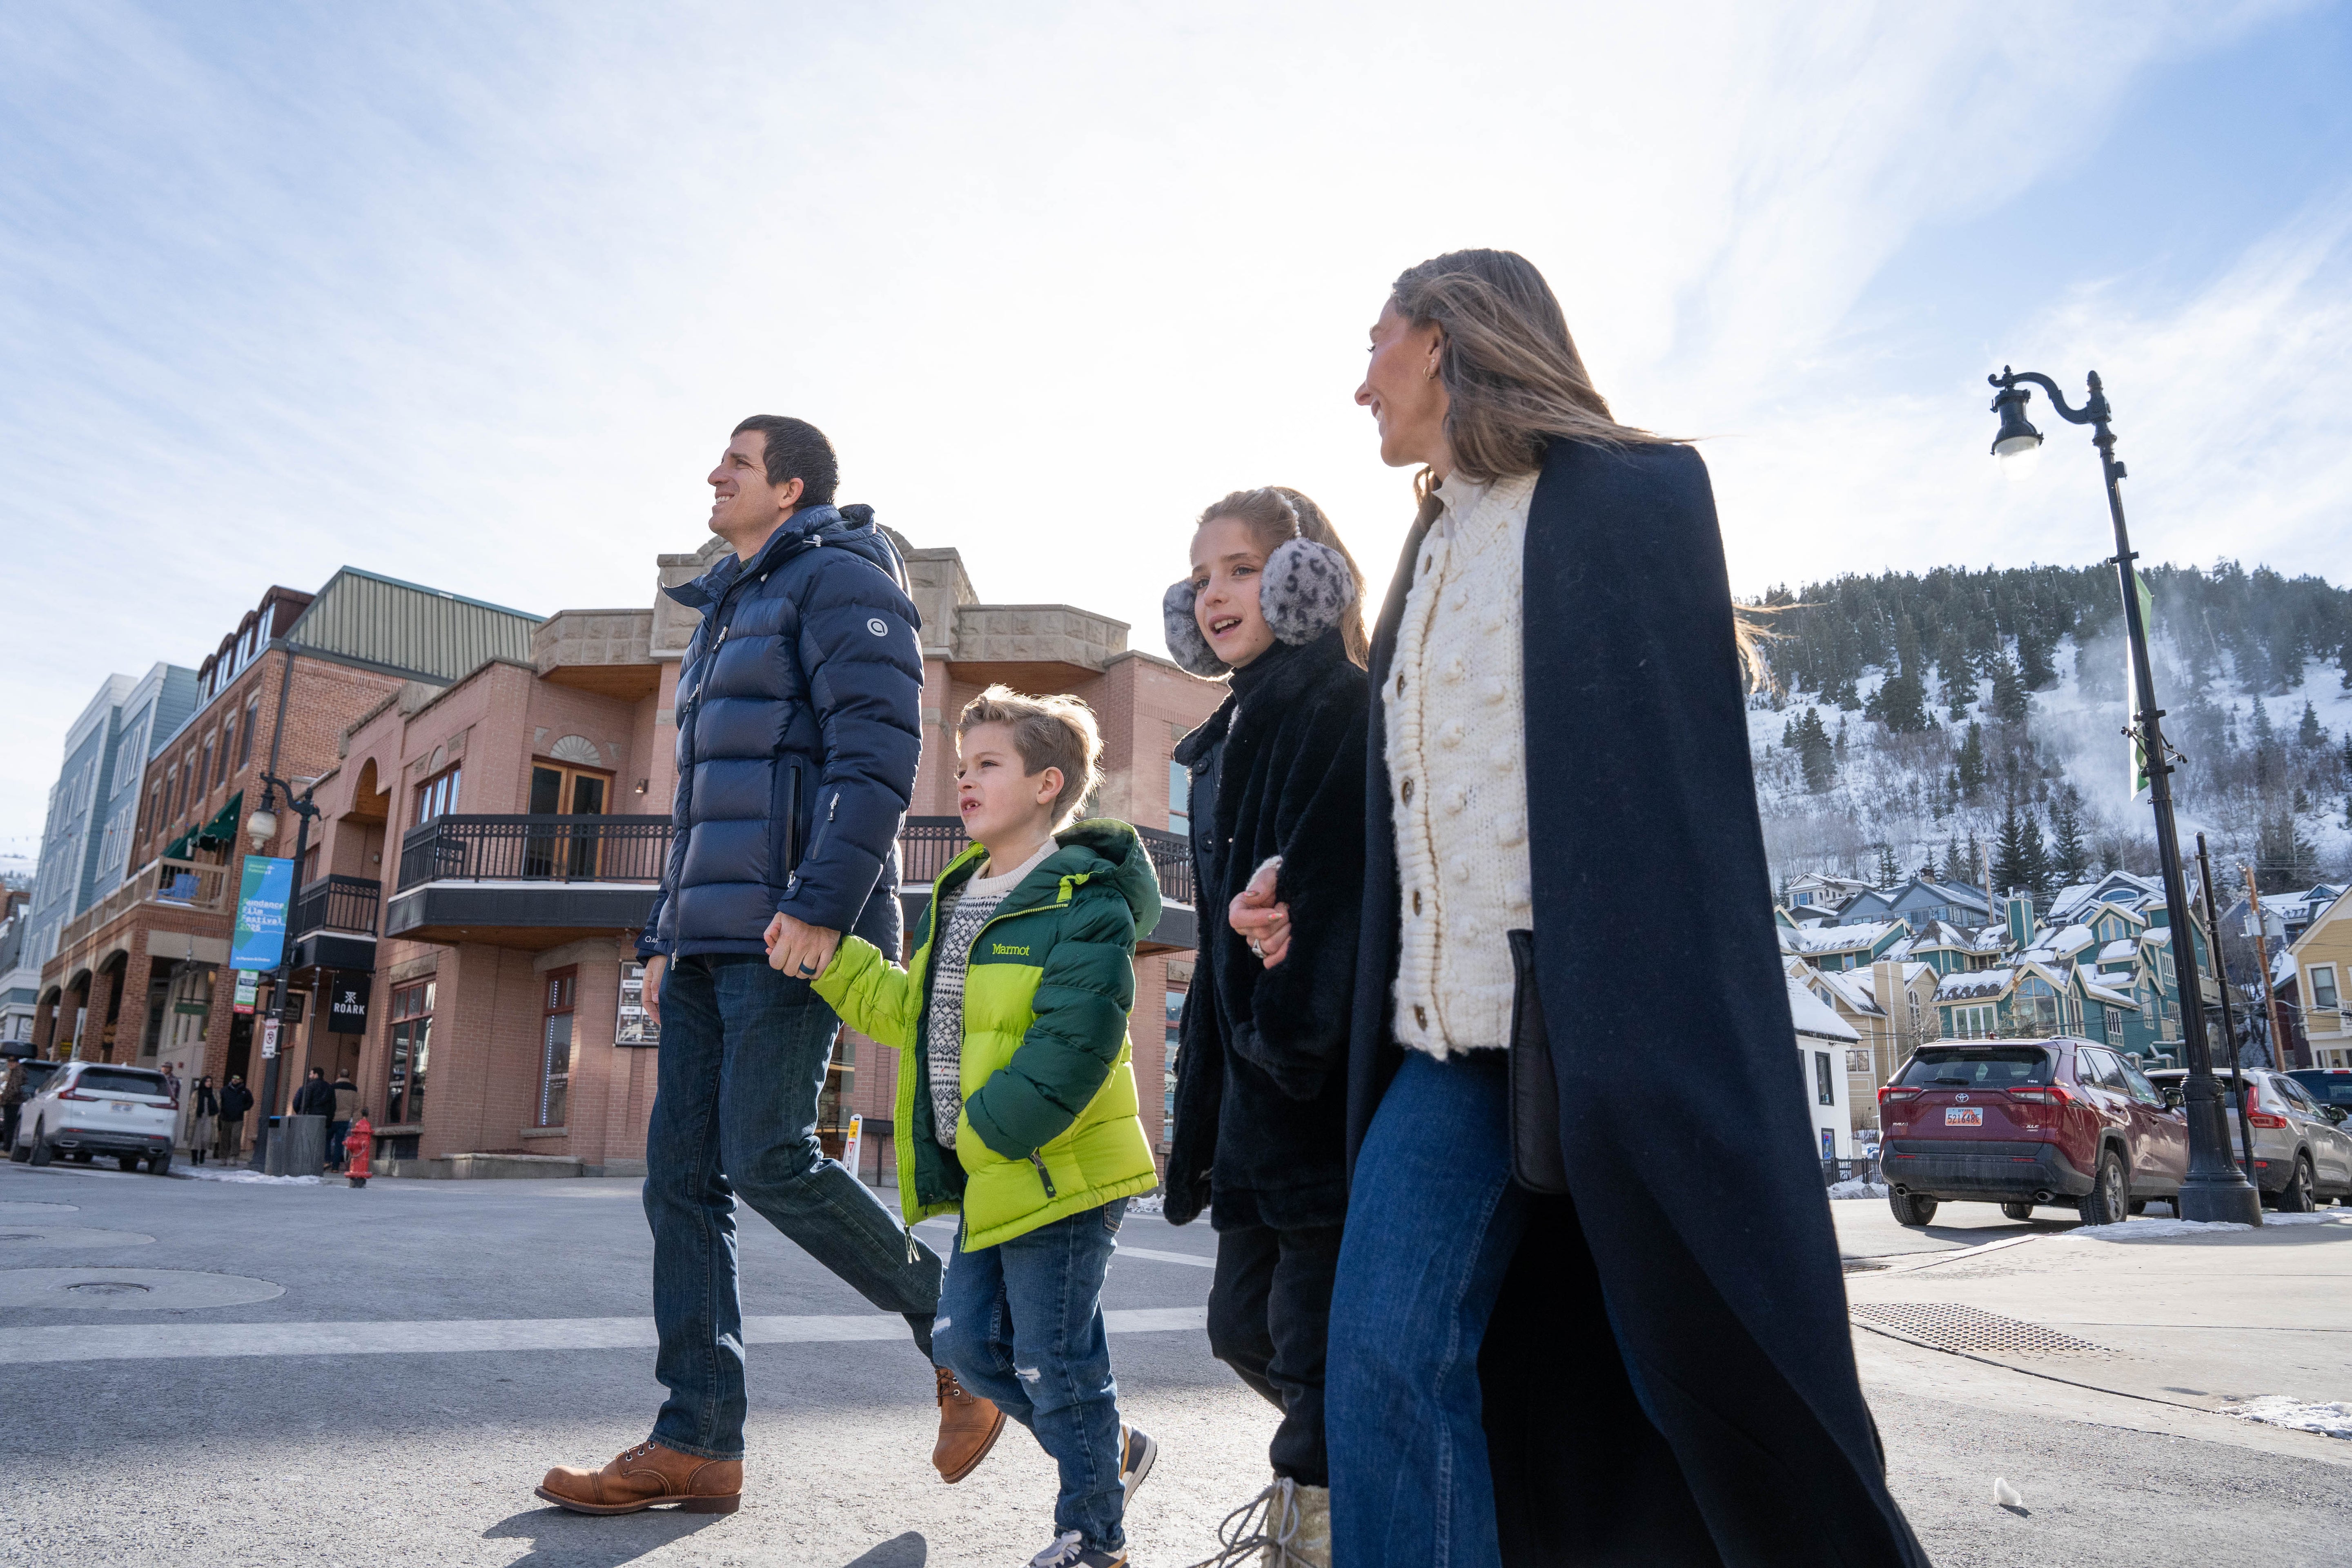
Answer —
346 1003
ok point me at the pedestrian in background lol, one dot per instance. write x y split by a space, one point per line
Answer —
204 1114
317 1097
1277 775
12 1101
235 1100
799 728
1658 1385
347 1101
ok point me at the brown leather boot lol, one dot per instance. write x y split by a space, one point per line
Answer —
648 1476
968 1427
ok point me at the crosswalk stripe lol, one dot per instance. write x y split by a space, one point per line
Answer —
156 1342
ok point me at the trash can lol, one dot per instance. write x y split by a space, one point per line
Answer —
297 1146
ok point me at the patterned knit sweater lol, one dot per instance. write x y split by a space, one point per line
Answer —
961 914
1458 759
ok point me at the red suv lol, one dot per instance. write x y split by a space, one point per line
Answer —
2021 1123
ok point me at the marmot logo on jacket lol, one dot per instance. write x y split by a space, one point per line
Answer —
1003 947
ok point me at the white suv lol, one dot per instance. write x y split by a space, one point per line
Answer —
93 1108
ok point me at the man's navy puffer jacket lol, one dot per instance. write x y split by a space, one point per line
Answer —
799 726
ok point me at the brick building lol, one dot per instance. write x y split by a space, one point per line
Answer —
139 973
525 810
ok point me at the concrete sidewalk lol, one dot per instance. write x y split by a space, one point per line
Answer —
2150 1325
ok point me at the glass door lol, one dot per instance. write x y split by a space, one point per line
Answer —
560 790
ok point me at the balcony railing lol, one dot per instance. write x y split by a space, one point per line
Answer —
927 844
634 849
537 848
336 903
181 884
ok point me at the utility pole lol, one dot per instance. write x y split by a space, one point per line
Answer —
2262 949
2228 1018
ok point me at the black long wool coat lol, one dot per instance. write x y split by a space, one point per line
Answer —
1668 1377
1261 1068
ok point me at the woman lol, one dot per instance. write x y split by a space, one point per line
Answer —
1648 1363
1277 785
207 1106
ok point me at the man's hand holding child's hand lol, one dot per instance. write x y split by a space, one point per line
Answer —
799 949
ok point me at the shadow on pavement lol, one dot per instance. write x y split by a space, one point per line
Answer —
908 1551
561 1540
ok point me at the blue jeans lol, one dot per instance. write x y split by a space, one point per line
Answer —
1433 1221
1020 1323
743 1057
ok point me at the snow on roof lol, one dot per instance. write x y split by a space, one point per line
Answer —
1813 1016
2099 993
1974 983
1839 939
1852 989
2069 939
2125 950
2071 898
2159 935
2283 966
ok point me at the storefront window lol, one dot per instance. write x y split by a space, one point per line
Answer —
412 1042
555 1053
833 1108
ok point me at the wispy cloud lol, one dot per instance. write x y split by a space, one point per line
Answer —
470 294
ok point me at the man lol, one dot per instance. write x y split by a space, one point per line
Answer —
235 1100
799 709
347 1101
12 1099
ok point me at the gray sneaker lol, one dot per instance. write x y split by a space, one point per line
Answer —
1137 1453
1071 1550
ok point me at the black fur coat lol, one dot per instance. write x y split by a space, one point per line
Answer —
1261 1090
1668 1377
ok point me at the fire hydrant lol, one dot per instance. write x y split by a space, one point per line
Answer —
358 1144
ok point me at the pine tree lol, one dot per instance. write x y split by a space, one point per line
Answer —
2308 733
1976 861
2009 700
1958 675
1889 872
1813 750
1900 704
2070 856
2009 871
1953 870
1970 770
2034 860
2284 861
2033 662
2263 735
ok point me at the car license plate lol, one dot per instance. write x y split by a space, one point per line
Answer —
1963 1116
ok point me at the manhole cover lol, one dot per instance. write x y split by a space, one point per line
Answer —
140 1290
68 1236
1955 1328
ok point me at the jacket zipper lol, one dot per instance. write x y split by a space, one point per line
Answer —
1038 1159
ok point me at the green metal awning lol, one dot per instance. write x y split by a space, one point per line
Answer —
220 833
178 848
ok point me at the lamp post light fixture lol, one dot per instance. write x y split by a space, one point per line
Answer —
2215 1188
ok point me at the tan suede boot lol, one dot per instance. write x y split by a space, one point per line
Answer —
648 1476
968 1427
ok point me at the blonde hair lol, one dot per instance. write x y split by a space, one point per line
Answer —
1277 514
1514 380
1054 731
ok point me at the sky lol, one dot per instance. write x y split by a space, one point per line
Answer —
471 294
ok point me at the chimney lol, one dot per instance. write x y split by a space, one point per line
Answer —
2021 919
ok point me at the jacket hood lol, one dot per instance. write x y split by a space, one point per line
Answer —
850 528
1107 849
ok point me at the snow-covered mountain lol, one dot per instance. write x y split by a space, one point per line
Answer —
2258 697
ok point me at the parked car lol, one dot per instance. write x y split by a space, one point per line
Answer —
87 1109
2330 1086
2023 1122
2301 1158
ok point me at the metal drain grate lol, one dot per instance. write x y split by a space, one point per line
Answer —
1954 1327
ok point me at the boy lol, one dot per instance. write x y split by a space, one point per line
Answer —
1017 1105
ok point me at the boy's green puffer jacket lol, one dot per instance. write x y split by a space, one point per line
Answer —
1049 1124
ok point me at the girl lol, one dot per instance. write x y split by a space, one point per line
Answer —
1277 788
1549 1341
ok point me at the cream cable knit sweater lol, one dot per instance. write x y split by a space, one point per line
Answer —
1457 764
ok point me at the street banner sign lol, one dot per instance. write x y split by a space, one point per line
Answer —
249 985
261 914
268 1038
346 1003
2139 702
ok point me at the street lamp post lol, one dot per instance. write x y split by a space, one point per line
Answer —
2215 1188
281 994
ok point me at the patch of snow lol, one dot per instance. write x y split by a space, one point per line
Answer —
242 1175
2145 1229
1842 1190
2280 1410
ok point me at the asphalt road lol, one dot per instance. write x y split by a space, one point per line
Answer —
437 1344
